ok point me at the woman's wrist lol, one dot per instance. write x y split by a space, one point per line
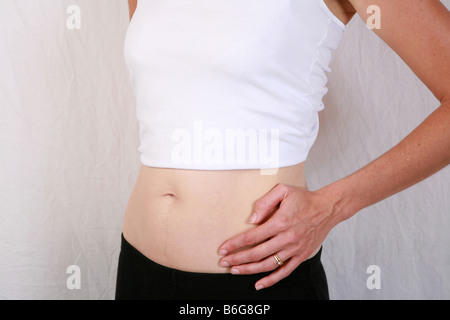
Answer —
423 152
343 201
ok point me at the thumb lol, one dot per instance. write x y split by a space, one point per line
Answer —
265 205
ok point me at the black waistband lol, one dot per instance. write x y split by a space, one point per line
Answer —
304 271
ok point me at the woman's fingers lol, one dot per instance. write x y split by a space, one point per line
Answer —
258 252
265 262
268 264
247 239
279 274
266 230
270 228
265 205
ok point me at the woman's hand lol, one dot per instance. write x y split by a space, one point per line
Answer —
293 223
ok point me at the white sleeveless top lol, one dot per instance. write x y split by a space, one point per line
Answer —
229 84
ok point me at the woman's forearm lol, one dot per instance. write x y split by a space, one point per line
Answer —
422 153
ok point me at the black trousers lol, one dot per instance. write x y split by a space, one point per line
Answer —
139 278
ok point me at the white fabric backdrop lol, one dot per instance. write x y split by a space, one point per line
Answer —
68 158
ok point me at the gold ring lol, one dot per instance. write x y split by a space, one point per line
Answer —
277 258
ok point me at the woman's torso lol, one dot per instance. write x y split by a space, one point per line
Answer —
179 217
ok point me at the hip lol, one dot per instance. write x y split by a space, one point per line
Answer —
139 278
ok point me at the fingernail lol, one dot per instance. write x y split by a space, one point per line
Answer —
224 264
223 252
253 218
234 271
259 287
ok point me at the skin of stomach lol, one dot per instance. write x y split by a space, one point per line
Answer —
179 218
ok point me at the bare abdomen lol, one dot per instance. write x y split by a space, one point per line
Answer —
179 218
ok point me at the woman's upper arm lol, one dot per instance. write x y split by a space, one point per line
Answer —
418 31
132 4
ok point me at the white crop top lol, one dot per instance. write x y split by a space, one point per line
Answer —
229 84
